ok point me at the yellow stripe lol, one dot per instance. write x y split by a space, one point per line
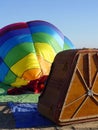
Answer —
28 62
19 82
46 51
45 66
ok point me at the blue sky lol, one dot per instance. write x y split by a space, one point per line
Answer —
76 19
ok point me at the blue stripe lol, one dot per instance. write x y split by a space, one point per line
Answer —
44 23
50 31
13 33
1 60
9 44
3 71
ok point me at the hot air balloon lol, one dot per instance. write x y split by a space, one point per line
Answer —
27 50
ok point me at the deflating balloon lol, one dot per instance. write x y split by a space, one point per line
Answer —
27 50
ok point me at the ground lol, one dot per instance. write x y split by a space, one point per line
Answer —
7 122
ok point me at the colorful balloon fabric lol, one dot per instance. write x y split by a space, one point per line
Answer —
27 50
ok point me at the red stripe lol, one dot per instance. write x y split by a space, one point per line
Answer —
12 27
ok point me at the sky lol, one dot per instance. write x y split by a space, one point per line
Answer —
76 19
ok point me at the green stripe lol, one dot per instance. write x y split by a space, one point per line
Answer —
3 89
18 52
23 98
46 38
10 77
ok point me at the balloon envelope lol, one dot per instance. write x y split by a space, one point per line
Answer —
27 50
